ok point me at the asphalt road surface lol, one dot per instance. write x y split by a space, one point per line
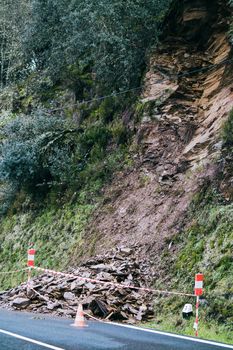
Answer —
24 331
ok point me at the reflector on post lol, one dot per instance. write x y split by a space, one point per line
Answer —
198 284
31 257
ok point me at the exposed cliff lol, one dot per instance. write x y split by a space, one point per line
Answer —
176 203
179 136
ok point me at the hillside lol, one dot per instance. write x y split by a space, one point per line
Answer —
156 170
176 203
178 137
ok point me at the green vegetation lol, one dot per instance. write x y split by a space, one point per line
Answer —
107 38
174 323
60 40
49 198
59 53
55 232
13 15
231 28
205 246
47 153
33 154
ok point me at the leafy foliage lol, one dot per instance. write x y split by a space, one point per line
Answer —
13 15
90 48
43 151
109 37
34 153
44 33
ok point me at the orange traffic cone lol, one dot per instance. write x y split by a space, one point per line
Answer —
79 319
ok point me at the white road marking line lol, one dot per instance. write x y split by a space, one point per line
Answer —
175 336
30 340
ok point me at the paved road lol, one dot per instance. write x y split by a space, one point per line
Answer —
23 331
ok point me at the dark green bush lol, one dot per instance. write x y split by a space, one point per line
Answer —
35 153
94 134
108 37
45 151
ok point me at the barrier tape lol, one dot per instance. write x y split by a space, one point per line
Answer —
119 285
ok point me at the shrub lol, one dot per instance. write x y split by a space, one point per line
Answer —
109 37
35 153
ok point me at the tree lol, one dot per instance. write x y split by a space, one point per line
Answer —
116 35
13 15
36 152
45 36
46 150
109 37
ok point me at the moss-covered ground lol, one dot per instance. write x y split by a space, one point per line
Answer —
54 231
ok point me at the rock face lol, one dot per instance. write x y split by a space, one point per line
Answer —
60 295
187 96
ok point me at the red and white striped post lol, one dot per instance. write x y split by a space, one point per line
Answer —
198 291
31 257
30 264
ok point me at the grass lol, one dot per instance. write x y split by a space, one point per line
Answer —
57 226
54 231
207 330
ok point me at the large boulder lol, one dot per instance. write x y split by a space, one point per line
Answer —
20 303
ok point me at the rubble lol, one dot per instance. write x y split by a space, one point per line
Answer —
60 295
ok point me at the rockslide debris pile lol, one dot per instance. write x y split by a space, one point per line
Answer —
60 295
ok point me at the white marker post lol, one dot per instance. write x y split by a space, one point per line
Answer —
198 291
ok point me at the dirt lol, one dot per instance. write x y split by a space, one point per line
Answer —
179 135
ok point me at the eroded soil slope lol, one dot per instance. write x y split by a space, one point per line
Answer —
185 102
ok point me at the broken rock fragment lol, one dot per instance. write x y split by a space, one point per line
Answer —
20 303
